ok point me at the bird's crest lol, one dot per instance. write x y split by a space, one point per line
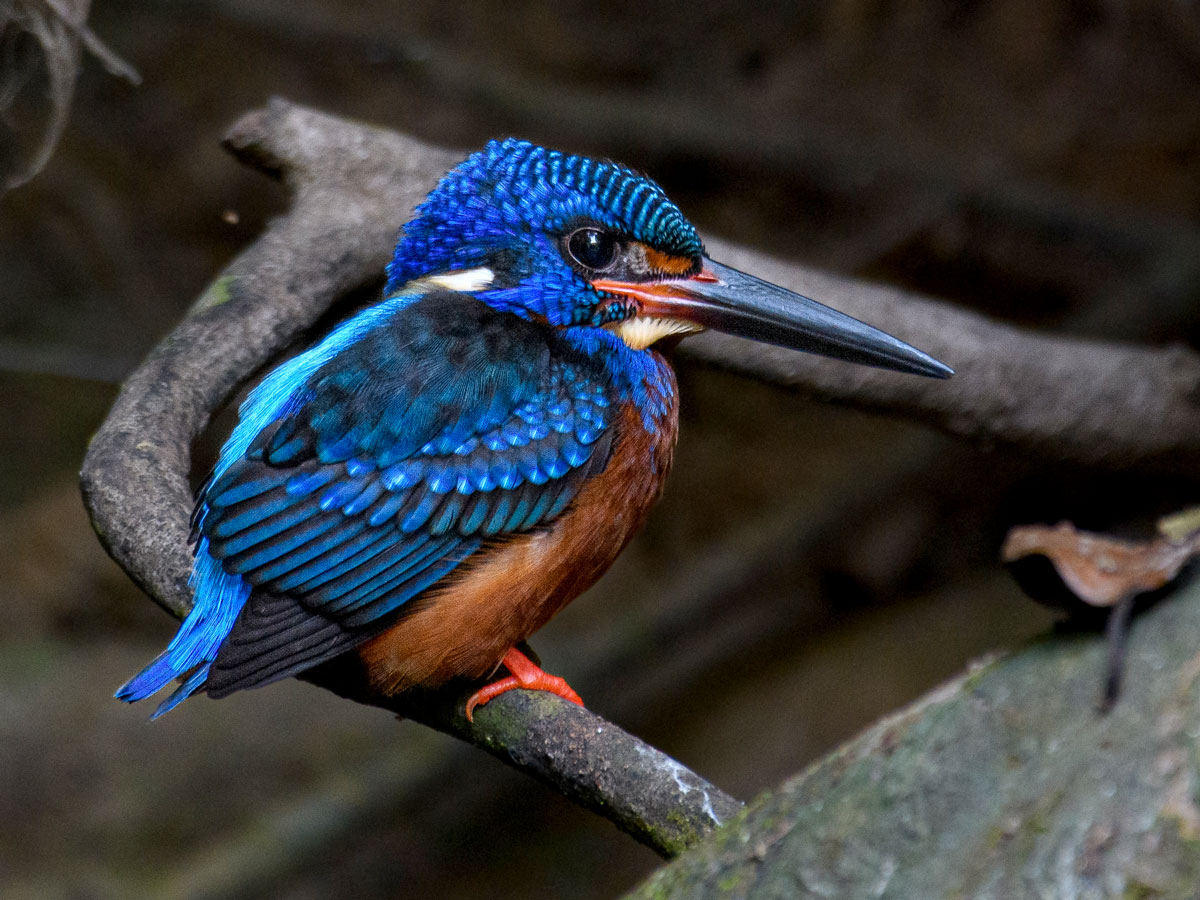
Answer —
513 189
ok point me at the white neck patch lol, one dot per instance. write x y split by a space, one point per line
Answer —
464 280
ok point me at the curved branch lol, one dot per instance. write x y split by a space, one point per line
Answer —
135 476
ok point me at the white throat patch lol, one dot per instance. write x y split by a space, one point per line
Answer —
640 332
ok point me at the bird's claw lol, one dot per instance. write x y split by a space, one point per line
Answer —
525 674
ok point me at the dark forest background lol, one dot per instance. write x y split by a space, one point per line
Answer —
1039 162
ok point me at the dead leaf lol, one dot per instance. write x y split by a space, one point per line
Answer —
1101 571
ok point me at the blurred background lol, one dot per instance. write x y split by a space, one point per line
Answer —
810 568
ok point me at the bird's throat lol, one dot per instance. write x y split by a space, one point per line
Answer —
640 332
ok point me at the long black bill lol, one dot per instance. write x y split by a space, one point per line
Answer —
724 299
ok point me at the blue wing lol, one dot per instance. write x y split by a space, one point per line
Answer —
403 447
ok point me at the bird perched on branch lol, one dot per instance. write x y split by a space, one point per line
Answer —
428 485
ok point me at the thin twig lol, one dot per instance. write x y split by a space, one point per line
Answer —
1116 630
75 19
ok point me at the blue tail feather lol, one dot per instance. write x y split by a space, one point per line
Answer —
194 682
219 599
149 681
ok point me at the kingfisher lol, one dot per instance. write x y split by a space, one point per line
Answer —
425 487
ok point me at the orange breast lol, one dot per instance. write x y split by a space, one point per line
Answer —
503 594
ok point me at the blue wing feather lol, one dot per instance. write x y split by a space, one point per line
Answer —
367 469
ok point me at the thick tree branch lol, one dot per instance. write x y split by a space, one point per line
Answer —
1090 401
1008 781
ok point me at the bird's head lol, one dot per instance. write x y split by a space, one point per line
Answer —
576 242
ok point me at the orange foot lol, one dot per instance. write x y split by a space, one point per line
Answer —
525 674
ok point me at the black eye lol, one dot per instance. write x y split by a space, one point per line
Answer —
593 248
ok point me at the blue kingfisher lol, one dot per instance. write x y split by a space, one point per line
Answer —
430 483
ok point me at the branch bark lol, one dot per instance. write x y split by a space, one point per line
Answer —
1005 782
351 185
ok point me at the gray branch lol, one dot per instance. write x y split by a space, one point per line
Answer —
135 476
351 186
1006 782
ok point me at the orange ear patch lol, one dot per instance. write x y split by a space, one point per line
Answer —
668 264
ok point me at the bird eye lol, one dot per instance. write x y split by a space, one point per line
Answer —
592 248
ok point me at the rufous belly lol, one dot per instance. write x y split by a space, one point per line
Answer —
504 593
